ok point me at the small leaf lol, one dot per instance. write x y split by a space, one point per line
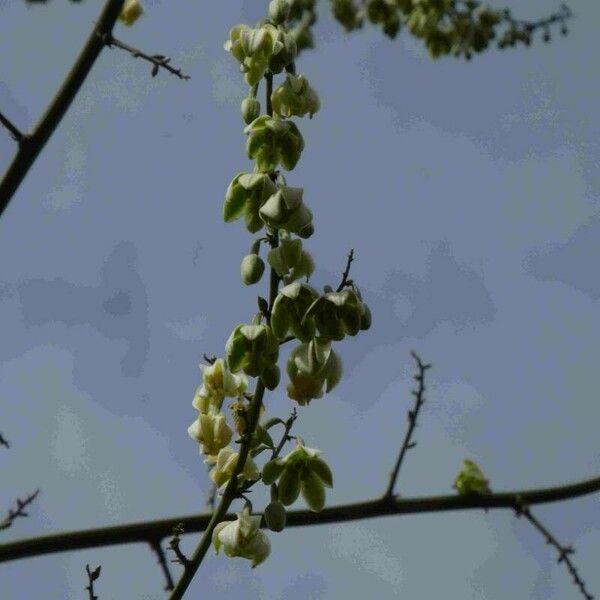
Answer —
95 573
154 70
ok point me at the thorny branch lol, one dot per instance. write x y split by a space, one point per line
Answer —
407 444
92 576
158 60
162 561
19 511
521 509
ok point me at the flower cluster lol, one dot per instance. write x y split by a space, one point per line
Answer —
447 27
302 471
268 204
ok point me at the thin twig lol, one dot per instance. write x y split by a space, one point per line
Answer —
31 145
407 444
345 281
143 532
92 576
563 551
4 441
182 559
14 132
285 437
162 561
19 512
158 60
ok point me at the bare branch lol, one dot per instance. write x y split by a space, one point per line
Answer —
182 559
563 551
31 145
345 281
158 60
14 132
150 530
407 444
92 576
162 561
19 512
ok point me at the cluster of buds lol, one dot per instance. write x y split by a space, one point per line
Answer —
302 471
471 480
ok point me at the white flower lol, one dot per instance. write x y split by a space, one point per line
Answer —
242 538
225 465
212 431
217 382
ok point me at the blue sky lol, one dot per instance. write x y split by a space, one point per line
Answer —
470 195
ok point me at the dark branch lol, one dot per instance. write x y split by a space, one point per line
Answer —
4 441
14 132
162 561
563 551
345 281
19 511
182 559
158 60
31 145
286 433
379 507
407 444
92 576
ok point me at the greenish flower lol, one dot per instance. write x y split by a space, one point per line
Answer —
309 367
302 471
471 480
251 348
289 308
295 97
272 141
245 196
253 48
285 210
242 538
337 314
289 260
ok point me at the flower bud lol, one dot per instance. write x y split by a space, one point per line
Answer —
130 12
251 269
275 516
250 109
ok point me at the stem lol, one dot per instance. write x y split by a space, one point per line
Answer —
31 145
253 416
